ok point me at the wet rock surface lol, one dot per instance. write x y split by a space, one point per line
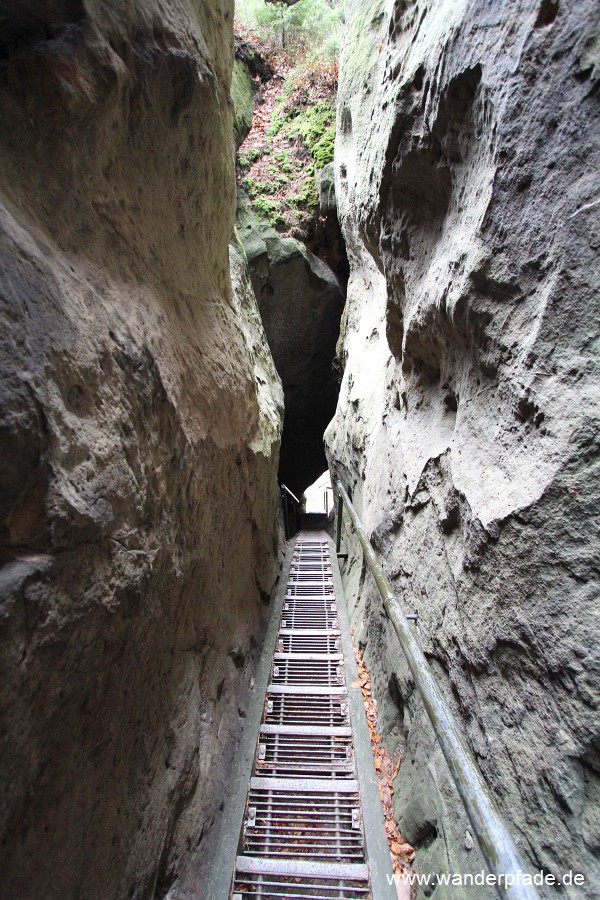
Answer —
140 421
467 182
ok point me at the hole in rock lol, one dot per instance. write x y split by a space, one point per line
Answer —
396 695
346 121
547 13
417 82
451 401
425 835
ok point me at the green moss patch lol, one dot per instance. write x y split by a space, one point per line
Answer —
292 136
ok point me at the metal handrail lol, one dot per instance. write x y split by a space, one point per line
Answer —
284 487
497 845
290 512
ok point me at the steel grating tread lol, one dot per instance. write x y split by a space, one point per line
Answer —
309 785
302 834
314 689
342 731
307 657
260 877
358 872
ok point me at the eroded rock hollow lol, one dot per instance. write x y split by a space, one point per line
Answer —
141 418
467 166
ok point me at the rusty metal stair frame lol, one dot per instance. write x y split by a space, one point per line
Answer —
312 824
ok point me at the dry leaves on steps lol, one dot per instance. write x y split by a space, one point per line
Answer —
402 853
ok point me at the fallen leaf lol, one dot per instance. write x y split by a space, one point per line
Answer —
401 852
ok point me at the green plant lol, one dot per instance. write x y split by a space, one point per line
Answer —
257 188
307 198
247 157
303 27
323 149
287 165
280 119
299 136
315 125
271 209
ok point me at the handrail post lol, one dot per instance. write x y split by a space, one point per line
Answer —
338 524
497 845
290 513
338 533
284 507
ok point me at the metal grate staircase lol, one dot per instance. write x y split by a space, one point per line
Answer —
303 830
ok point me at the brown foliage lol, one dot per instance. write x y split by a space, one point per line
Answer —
402 853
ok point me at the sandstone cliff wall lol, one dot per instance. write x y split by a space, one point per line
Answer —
467 167
140 424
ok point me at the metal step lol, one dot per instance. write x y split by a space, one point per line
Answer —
260 877
309 591
309 640
287 750
300 705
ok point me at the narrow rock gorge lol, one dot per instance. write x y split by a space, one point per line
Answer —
150 347
467 169
288 227
301 302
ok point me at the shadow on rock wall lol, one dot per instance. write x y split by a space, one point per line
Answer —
140 421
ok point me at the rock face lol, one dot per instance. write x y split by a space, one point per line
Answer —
242 93
468 186
140 422
325 238
300 302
